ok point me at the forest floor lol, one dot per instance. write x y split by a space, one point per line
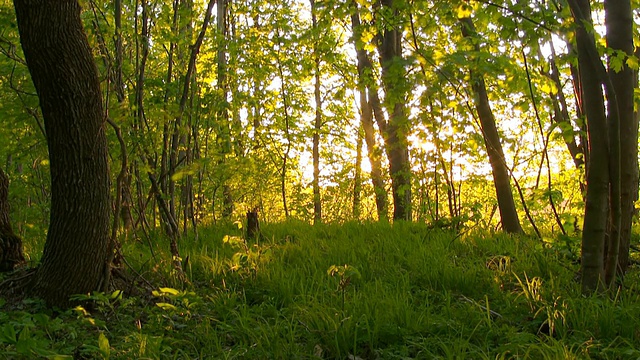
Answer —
352 291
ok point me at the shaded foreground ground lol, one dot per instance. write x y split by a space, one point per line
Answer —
354 291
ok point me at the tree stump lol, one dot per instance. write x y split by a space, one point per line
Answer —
253 224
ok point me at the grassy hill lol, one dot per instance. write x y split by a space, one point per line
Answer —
351 291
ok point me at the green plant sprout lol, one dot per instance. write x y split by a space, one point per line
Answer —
346 274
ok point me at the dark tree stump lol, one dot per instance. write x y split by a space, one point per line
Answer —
253 225
10 244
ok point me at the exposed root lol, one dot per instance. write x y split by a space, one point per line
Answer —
15 288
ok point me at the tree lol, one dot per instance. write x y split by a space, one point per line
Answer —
396 88
619 23
606 201
10 244
508 213
62 68
317 124
369 99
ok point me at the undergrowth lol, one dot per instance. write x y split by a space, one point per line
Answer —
352 291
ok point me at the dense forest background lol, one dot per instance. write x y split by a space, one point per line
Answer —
470 115
261 107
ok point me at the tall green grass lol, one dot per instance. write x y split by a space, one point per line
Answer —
414 292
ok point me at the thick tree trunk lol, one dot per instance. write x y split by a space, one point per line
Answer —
394 81
10 244
619 22
597 198
506 204
66 79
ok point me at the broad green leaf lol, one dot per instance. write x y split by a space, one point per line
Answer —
8 334
616 62
103 344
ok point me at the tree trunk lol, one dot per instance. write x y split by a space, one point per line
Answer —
10 244
561 113
357 178
253 225
597 198
619 22
66 79
394 81
317 203
508 213
223 107
287 132
366 117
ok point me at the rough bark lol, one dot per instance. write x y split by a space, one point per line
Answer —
394 82
506 204
619 23
10 244
597 198
66 79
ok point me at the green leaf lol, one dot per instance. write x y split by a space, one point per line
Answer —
8 334
351 272
116 294
103 344
166 306
632 62
464 11
616 62
333 269
171 291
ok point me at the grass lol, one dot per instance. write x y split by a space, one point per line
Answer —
352 291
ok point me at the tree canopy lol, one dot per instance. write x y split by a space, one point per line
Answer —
469 115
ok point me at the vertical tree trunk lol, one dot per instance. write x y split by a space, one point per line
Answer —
367 91
597 198
357 178
253 225
394 81
165 162
10 244
506 204
223 114
317 203
287 132
64 74
619 23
